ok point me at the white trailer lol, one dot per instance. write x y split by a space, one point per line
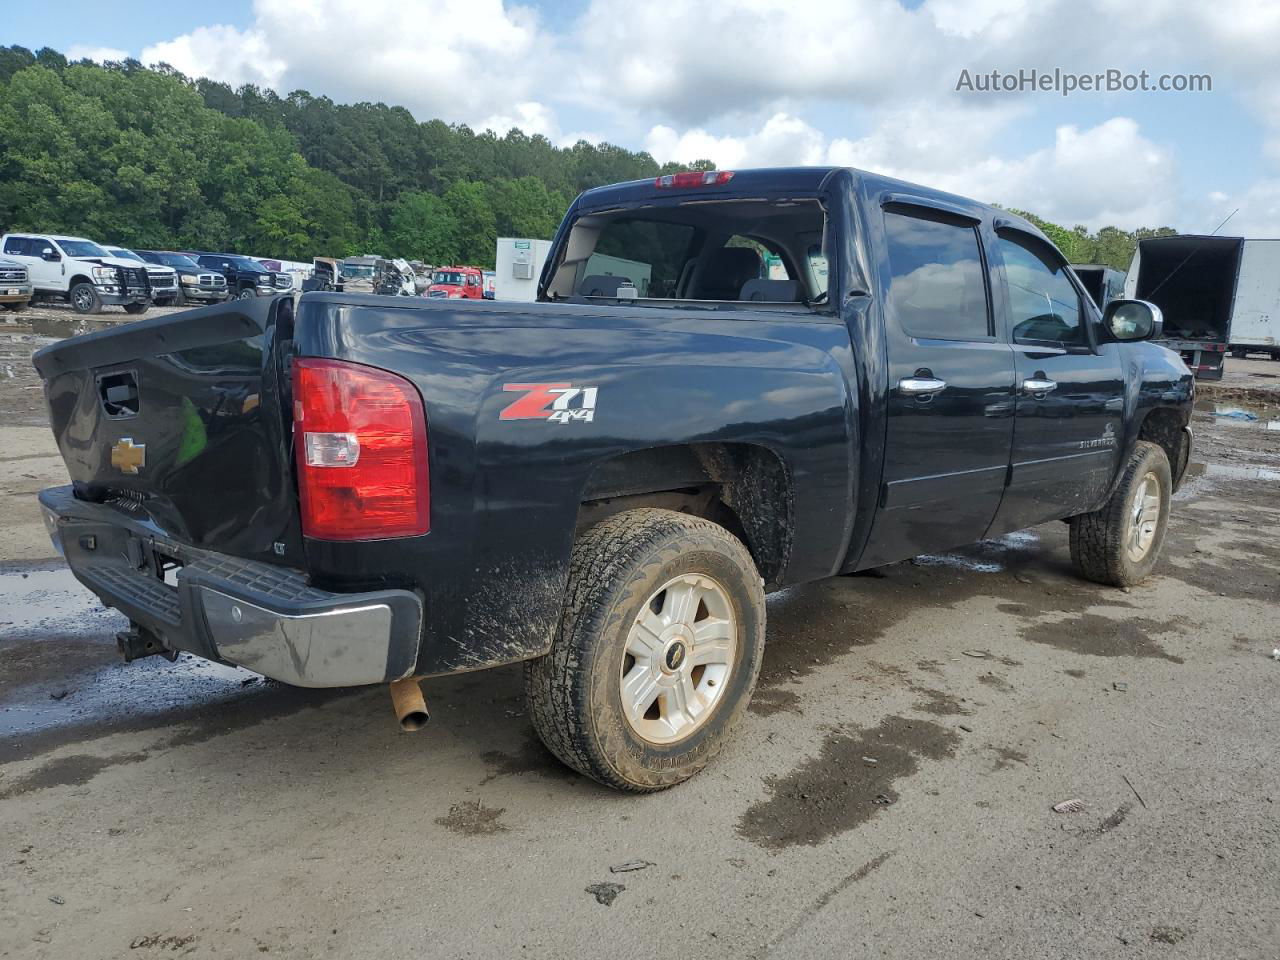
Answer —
517 267
1255 321
1217 294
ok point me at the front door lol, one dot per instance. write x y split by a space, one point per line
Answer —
1070 397
950 399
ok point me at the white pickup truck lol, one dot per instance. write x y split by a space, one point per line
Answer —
78 271
163 280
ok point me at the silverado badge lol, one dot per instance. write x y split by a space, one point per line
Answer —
129 457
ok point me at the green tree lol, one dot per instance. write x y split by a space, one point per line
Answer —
424 228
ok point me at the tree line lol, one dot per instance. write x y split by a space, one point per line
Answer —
147 157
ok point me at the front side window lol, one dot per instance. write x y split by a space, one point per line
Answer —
937 288
1044 306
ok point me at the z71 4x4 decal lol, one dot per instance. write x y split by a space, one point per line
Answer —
558 402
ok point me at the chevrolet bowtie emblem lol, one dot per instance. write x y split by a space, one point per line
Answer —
129 457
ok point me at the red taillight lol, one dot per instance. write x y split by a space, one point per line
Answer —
694 178
361 439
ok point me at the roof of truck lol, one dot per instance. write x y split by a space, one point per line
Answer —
783 180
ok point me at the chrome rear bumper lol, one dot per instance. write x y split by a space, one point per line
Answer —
260 616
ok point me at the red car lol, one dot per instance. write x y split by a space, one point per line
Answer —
457 283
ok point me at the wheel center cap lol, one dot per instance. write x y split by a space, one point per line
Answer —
674 656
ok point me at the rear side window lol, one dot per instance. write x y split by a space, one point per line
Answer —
1044 306
937 288
649 253
18 246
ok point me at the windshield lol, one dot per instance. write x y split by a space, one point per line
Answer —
247 265
124 254
353 271
177 260
82 248
454 278
735 250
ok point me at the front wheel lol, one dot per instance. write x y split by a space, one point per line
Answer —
1120 544
85 299
136 308
657 652
248 293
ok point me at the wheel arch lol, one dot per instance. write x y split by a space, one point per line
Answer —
744 487
1166 427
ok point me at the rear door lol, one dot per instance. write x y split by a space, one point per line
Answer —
950 397
1070 396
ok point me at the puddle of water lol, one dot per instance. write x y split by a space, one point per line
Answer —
985 556
51 600
144 688
1231 472
48 606
1237 415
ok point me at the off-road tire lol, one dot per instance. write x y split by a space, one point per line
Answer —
1099 540
573 692
137 309
84 299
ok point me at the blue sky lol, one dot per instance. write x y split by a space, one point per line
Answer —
756 82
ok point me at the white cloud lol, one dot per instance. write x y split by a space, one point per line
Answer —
79 51
222 53
453 59
1109 174
782 140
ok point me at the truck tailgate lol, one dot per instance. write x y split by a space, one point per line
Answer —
182 421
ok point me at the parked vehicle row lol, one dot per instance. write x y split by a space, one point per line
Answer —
89 276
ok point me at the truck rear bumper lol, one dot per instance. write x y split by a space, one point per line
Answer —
256 615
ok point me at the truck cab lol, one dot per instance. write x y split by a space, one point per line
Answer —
195 283
731 382
163 279
456 283
246 278
15 285
79 271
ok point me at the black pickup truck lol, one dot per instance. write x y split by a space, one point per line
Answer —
732 382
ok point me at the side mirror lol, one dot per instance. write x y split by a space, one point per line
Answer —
50 255
1129 320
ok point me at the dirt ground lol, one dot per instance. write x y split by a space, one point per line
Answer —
889 794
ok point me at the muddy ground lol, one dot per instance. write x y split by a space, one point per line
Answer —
889 794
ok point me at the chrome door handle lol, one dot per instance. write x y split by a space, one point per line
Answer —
1037 386
919 386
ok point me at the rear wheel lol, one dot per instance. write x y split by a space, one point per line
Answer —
657 652
85 299
1120 544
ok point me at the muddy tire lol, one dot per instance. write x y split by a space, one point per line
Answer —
84 299
1120 544
660 606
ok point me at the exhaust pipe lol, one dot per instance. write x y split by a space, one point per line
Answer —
409 704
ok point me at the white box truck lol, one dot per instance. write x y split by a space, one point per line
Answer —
1218 294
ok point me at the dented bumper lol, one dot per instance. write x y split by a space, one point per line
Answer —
260 616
